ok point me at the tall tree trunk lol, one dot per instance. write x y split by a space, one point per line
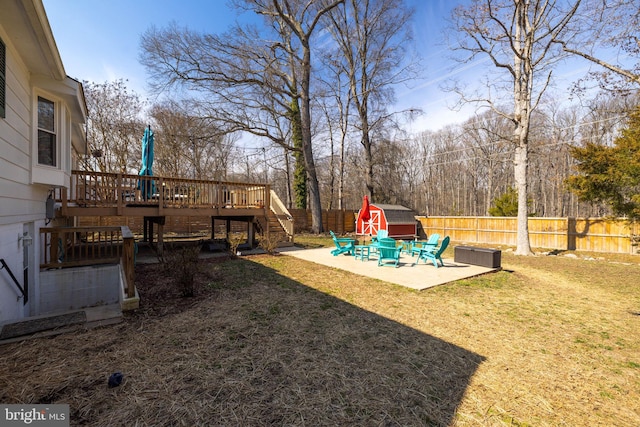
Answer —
368 156
523 80
300 170
341 182
307 149
520 174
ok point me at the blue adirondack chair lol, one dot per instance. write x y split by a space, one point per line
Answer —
434 254
382 234
344 245
431 244
388 253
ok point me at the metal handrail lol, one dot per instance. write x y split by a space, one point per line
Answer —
25 297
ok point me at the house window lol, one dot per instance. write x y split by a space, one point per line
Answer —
46 132
3 79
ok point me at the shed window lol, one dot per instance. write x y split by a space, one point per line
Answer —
3 79
46 132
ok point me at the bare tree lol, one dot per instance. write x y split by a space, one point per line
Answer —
249 79
610 38
372 38
189 146
487 137
520 39
114 128
335 105
554 130
302 21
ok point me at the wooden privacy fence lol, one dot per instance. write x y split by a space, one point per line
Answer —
173 224
180 226
580 234
339 221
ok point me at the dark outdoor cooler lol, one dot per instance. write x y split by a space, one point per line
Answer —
477 256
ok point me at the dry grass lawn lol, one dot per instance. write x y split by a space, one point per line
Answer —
273 340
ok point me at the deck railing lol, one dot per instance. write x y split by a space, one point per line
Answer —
101 189
63 247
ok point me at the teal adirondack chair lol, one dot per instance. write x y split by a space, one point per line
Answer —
344 245
430 244
382 234
434 254
388 253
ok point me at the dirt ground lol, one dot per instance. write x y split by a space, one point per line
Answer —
273 340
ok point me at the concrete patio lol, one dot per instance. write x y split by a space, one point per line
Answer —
415 276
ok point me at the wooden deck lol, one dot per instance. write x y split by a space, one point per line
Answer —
116 194
110 194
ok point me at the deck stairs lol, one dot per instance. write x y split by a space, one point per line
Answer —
278 224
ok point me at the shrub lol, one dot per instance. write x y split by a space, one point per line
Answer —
270 243
507 204
235 240
182 264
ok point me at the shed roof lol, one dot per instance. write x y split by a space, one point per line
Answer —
397 214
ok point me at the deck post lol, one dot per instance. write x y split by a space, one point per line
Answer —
267 199
63 200
145 229
250 233
150 232
161 196
160 238
53 248
128 260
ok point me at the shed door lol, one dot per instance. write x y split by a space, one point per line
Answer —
372 226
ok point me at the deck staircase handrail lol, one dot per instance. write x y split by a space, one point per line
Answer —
281 213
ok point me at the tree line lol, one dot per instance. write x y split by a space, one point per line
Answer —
315 83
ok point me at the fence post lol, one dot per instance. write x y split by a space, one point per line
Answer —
161 196
53 247
128 260
63 200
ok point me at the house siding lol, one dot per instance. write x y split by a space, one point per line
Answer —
21 204
25 185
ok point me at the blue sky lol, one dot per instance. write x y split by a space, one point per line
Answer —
99 41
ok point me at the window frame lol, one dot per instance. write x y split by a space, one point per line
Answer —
52 133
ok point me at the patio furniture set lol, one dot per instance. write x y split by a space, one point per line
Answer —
388 250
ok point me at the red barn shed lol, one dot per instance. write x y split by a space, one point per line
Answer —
400 222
